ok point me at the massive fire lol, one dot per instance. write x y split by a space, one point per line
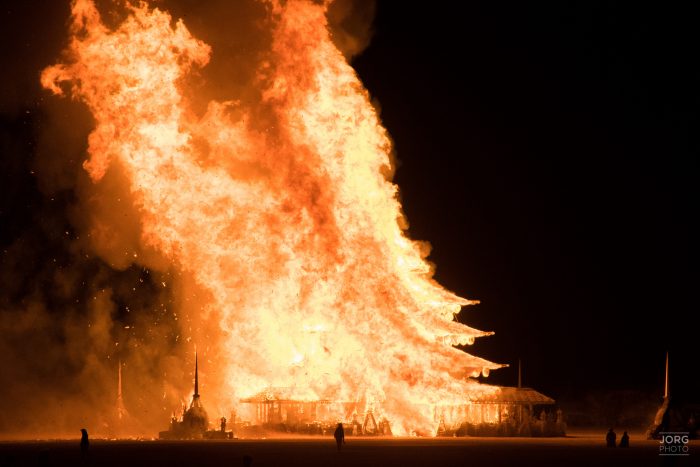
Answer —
289 222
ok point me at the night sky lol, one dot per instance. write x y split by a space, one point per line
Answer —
548 153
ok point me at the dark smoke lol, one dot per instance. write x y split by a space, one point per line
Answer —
68 312
351 25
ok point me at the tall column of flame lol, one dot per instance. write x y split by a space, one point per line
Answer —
295 232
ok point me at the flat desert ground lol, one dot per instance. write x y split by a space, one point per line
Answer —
586 449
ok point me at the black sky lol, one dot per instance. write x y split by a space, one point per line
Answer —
549 154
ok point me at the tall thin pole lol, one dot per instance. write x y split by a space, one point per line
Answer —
119 384
666 394
520 375
121 411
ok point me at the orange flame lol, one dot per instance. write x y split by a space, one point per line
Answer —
295 231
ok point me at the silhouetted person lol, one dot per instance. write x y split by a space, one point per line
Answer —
84 443
339 435
624 440
610 438
247 461
223 424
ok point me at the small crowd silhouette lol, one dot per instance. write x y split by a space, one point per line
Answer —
611 437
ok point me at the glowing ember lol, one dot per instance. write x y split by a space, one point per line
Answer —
291 226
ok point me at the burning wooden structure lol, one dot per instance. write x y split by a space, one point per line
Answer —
508 411
304 215
291 406
300 411
511 411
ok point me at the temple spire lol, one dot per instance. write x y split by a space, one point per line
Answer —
196 376
195 397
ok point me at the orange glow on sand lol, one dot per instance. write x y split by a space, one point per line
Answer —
290 227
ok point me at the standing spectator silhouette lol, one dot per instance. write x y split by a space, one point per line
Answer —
610 438
84 443
624 440
339 435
